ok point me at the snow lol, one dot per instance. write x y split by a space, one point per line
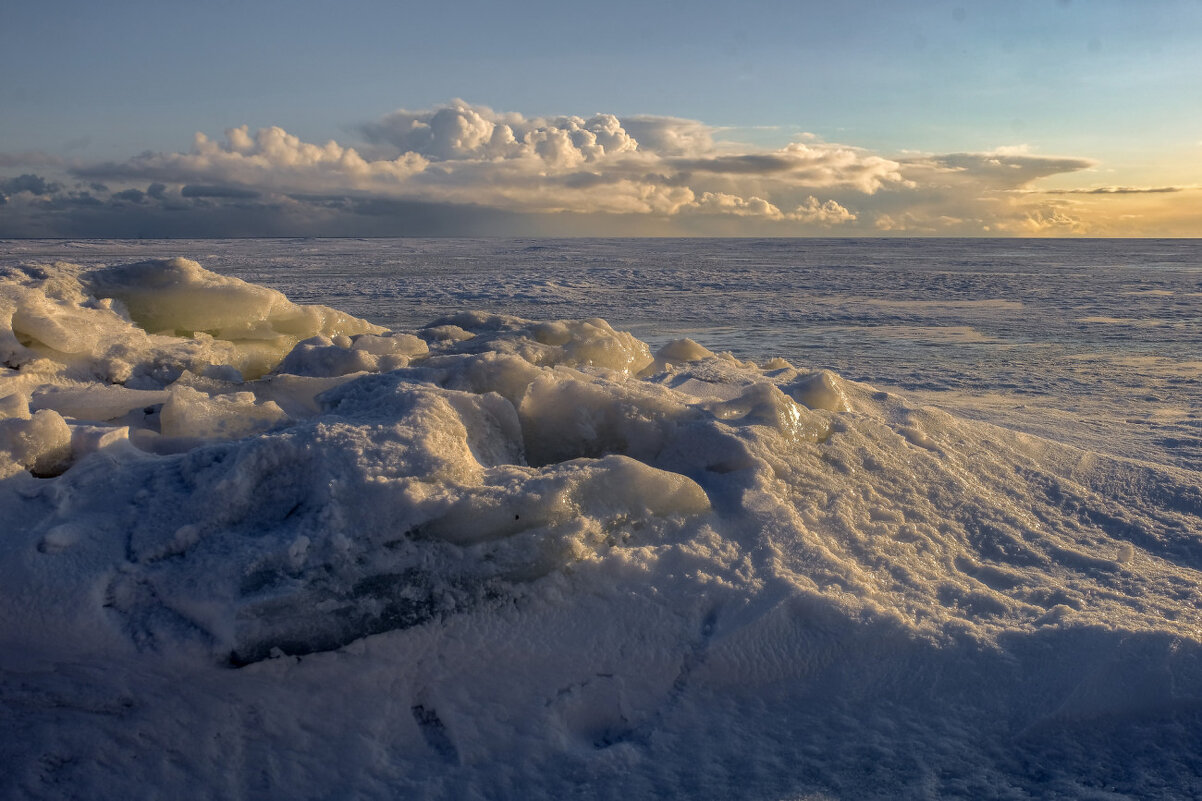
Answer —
259 549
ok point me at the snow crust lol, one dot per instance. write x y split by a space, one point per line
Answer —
258 549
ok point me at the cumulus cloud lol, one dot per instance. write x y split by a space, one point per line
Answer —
811 211
465 154
670 136
722 203
597 173
828 213
271 159
460 131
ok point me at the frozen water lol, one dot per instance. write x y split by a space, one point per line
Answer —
287 552
1093 342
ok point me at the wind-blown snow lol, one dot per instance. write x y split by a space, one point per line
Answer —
256 549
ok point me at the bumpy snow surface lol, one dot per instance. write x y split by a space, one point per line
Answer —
252 549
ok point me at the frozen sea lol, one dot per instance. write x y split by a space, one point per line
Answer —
805 519
1092 342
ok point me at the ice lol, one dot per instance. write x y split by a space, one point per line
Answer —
180 296
819 390
571 343
256 548
321 356
191 413
143 323
98 402
341 355
40 443
14 405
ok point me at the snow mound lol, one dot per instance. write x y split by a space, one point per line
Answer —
524 558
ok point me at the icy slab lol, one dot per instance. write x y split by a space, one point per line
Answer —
95 401
180 296
522 558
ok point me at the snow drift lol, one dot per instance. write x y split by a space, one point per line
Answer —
259 549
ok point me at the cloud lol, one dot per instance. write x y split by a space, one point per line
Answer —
33 184
271 159
129 196
228 192
721 203
670 136
463 132
1003 168
472 155
1115 190
479 170
828 213
816 166
811 211
1045 220
754 164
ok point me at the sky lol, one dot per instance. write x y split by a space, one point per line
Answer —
538 118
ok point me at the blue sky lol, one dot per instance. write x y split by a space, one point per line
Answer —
1114 86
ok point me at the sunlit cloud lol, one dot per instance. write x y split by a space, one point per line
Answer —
811 211
472 155
463 168
271 159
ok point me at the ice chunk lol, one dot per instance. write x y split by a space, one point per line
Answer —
613 487
15 405
52 314
87 439
180 296
684 350
765 404
95 401
335 356
190 413
55 325
452 333
677 351
40 444
572 343
320 356
820 390
391 345
566 414
296 394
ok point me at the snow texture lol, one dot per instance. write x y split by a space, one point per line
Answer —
258 549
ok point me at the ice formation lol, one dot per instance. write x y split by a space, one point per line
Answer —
259 549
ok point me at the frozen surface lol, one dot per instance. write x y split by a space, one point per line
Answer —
1096 342
289 553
